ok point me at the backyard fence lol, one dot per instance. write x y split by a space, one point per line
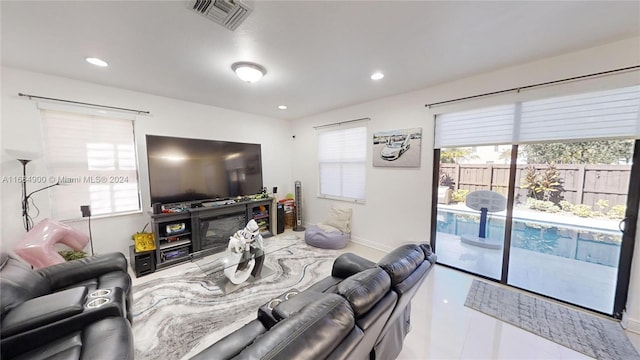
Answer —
581 184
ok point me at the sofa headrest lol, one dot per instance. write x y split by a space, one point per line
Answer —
348 264
429 255
401 262
364 289
18 283
312 333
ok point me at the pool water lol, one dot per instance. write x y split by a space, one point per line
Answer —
588 245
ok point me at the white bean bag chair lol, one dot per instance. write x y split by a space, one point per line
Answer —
334 232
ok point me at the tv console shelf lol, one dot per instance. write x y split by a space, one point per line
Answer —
199 231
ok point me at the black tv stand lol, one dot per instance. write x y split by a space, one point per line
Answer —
206 227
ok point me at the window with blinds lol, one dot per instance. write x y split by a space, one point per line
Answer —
94 160
603 114
342 155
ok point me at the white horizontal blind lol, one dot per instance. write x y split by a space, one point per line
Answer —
94 157
604 114
492 125
342 155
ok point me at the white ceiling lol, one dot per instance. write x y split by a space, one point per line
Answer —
318 54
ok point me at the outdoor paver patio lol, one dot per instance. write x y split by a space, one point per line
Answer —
578 282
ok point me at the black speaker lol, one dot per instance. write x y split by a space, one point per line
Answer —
280 216
142 263
157 208
298 200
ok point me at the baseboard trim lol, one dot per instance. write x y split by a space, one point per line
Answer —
371 244
629 324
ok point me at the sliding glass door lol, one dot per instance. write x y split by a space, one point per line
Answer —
564 172
565 239
462 171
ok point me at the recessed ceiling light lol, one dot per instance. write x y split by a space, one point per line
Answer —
97 62
249 72
377 76
282 107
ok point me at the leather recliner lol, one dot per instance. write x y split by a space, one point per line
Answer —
408 266
47 312
379 298
107 338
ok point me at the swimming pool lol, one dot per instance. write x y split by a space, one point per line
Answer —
573 241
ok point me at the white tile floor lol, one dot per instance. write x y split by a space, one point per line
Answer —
443 328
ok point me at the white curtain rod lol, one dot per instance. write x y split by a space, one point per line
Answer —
140 112
629 68
342 122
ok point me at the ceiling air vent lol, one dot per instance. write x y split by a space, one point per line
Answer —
228 13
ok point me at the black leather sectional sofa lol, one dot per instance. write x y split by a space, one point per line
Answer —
362 311
76 310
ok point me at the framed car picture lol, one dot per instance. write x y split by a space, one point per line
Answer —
397 148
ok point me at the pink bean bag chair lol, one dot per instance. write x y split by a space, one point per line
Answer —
36 247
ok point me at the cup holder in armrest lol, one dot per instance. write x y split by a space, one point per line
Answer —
291 294
265 312
97 302
284 297
100 293
273 303
106 301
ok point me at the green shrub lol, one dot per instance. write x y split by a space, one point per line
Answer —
602 205
583 210
446 180
548 206
530 202
543 186
566 206
617 212
459 195
542 205
69 255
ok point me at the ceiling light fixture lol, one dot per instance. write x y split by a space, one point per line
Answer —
248 71
282 107
96 62
377 76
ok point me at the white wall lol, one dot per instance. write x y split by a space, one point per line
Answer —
398 200
20 129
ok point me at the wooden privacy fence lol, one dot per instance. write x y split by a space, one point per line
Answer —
582 184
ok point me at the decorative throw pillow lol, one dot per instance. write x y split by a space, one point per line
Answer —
327 228
339 218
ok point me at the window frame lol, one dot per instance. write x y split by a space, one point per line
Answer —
361 162
63 213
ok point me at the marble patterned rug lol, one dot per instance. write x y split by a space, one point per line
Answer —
178 315
592 335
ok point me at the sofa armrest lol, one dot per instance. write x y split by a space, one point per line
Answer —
43 310
107 338
312 333
232 344
47 332
72 272
348 264
289 307
429 255
110 338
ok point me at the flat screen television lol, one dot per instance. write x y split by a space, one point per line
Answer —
184 170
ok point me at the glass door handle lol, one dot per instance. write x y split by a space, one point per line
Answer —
622 224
